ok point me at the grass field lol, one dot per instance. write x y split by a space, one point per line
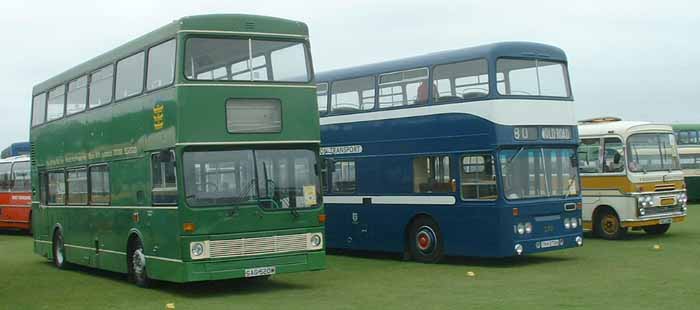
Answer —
627 274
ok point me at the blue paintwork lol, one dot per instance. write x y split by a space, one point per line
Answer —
385 168
16 149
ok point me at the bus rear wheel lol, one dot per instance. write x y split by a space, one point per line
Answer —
137 264
425 241
657 229
608 226
59 250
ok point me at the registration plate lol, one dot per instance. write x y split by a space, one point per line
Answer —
665 221
668 201
549 243
259 272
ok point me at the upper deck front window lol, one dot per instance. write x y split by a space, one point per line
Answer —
532 77
246 60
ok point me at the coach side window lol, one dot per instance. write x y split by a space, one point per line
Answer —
77 95
129 76
403 88
101 86
56 194
99 185
614 160
462 80
38 109
431 174
5 177
161 65
589 156
478 179
343 177
77 186
164 178
353 95
56 103
322 97
20 177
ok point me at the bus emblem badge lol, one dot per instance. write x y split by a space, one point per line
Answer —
355 218
158 116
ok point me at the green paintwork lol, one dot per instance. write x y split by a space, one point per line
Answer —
683 127
123 135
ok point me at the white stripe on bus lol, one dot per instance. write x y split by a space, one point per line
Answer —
510 112
289 35
247 142
395 200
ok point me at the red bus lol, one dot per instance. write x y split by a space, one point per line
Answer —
15 193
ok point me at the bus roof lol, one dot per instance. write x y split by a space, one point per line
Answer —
681 127
16 149
488 51
623 128
235 23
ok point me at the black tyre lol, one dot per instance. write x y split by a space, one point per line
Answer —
59 250
607 226
657 229
137 264
425 242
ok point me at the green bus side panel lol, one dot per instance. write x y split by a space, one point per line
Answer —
693 188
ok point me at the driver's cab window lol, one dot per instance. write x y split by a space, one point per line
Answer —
164 190
614 160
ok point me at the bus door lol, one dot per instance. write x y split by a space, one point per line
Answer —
39 223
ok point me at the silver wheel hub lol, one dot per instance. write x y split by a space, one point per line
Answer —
139 261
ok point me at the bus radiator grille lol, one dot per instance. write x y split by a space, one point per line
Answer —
257 246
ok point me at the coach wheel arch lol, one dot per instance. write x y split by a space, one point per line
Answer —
615 231
136 260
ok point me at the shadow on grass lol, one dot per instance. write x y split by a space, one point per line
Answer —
496 262
15 232
195 289
640 235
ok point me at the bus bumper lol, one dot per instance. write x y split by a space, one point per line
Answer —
550 243
667 219
191 271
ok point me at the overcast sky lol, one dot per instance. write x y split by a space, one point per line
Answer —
634 59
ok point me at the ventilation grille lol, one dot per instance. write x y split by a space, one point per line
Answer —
249 25
664 187
257 246
32 154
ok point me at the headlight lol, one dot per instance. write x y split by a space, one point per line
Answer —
521 229
567 223
199 250
518 249
315 241
528 228
574 223
642 212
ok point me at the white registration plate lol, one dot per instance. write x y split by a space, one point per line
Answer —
549 243
666 221
259 272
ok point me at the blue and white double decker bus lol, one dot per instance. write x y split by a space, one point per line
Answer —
469 152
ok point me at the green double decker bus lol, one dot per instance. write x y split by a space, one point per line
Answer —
688 137
188 154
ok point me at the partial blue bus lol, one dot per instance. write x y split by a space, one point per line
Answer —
16 149
470 152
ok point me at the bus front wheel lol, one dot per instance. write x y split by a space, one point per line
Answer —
608 226
425 241
137 263
657 229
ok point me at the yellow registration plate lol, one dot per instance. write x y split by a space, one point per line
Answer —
668 201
